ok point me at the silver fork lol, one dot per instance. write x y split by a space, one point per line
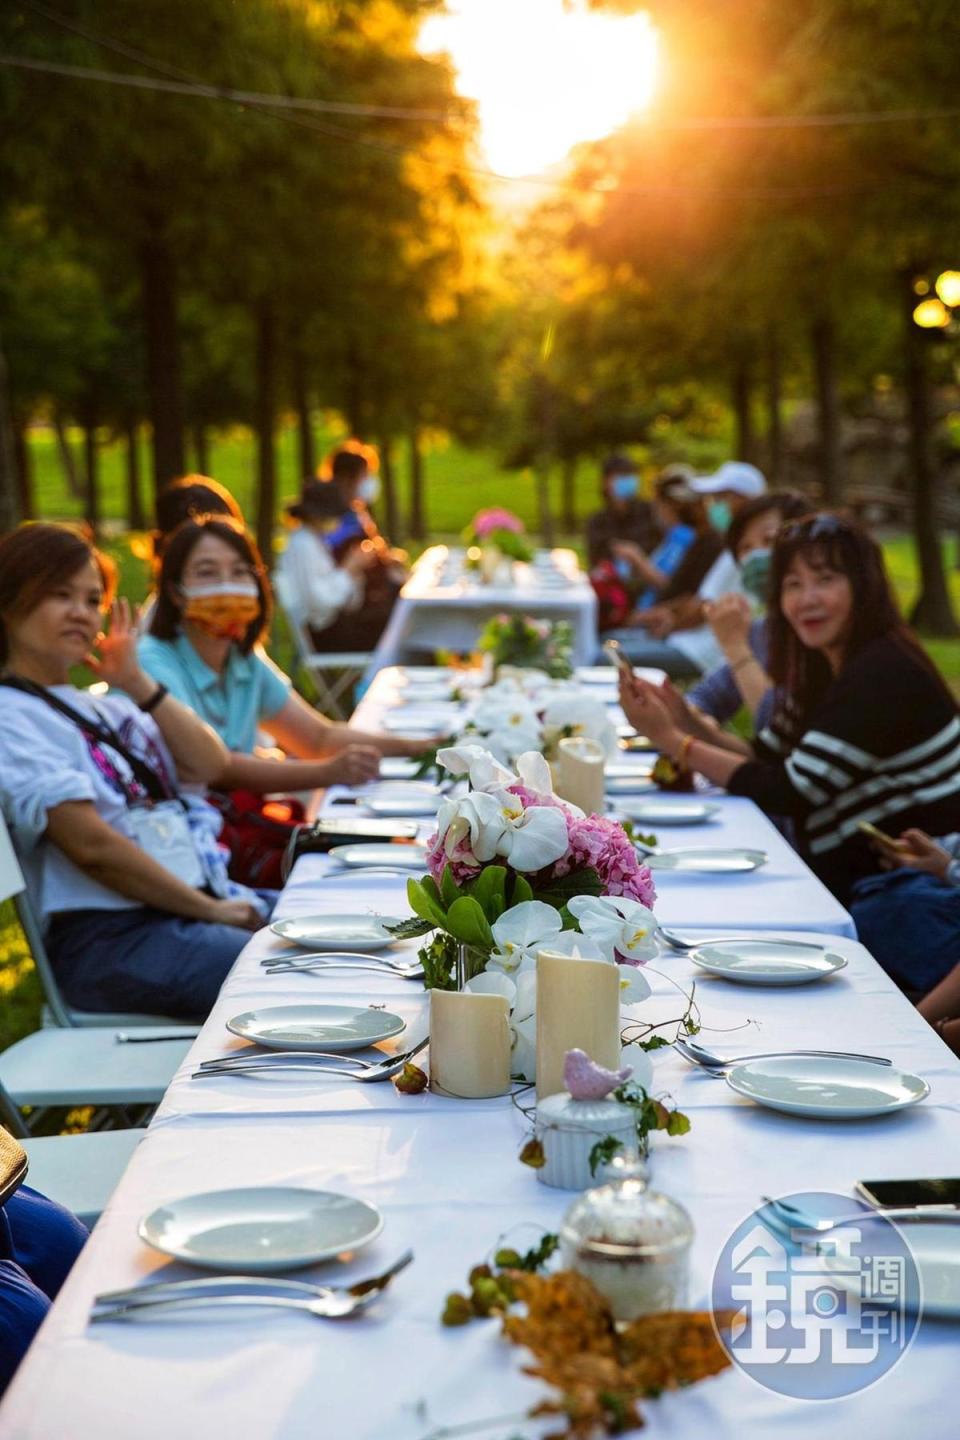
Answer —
329 1302
300 957
800 1220
306 1060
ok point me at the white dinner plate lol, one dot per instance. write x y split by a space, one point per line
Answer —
708 862
261 1228
412 720
670 812
398 767
639 782
768 962
337 932
936 1254
316 1027
405 857
827 1088
399 797
419 693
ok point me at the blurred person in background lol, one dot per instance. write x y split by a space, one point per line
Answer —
625 515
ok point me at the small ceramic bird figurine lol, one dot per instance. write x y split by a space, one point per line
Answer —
586 1080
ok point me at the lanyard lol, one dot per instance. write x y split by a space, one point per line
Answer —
99 730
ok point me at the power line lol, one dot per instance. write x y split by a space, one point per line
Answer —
221 92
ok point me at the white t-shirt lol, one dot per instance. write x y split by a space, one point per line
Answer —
310 583
700 644
45 760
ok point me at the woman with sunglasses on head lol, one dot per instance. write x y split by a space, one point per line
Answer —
135 901
864 730
213 605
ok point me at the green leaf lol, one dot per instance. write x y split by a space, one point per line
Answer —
522 890
411 929
489 890
656 1042
578 882
424 904
604 1151
466 922
449 889
678 1123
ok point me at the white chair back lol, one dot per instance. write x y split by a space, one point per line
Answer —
11 876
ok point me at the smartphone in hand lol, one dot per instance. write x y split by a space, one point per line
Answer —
881 838
615 652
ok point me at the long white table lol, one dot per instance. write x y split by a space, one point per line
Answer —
444 607
445 1174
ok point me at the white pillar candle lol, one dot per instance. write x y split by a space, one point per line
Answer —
578 1008
469 1044
579 773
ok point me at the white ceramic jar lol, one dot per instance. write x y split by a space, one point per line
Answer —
568 1130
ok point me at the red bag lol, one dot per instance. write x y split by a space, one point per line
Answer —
257 832
613 597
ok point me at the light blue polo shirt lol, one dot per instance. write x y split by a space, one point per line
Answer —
250 689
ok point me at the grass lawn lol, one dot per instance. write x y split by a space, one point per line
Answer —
458 482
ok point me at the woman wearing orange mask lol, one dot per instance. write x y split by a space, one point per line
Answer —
213 605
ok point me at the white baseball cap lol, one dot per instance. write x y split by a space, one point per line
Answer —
736 475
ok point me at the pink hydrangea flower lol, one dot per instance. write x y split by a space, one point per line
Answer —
486 521
602 845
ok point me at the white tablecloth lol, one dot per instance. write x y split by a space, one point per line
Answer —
443 607
446 1176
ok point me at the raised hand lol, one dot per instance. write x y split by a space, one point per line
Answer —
644 707
729 618
115 660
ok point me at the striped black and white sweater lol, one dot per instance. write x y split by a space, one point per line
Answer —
882 745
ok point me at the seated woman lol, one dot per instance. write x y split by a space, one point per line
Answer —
909 918
213 606
694 545
39 1242
624 515
741 632
865 728
137 908
339 574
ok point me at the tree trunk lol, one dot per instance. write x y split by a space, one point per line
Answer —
265 414
774 389
24 471
135 516
569 495
9 497
741 394
933 610
418 519
824 346
91 501
388 482
301 399
158 295
201 447
68 461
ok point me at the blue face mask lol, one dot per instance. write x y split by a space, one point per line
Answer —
624 487
755 574
719 515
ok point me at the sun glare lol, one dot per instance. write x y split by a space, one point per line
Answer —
546 76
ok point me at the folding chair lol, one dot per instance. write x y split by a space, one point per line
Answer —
56 1010
332 672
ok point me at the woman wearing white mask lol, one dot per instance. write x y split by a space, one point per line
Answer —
213 605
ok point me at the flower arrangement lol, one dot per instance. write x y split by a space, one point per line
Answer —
530 644
499 530
528 711
512 870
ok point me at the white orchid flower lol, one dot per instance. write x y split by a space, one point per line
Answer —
520 932
476 762
605 936
471 827
493 824
508 741
534 772
523 1023
581 715
492 982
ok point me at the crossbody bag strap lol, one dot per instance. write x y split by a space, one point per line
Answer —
154 785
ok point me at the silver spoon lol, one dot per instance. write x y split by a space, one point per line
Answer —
214 1288
677 942
690 1050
